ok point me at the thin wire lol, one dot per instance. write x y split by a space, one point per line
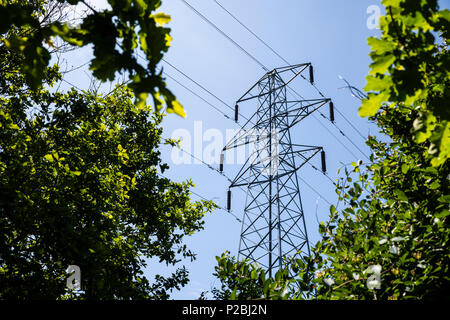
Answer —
225 35
198 84
345 118
206 90
205 199
205 163
198 96
253 33
324 126
265 68
317 192
282 58
225 176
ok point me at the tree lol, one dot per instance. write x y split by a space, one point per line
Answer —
117 35
243 280
391 239
81 183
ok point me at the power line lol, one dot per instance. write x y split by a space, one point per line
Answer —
198 96
225 35
265 68
198 84
221 173
317 192
205 199
229 180
284 60
253 33
204 89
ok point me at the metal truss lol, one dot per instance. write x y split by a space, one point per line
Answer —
273 224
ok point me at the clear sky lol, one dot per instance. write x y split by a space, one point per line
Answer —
331 34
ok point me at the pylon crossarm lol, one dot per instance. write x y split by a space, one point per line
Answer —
300 114
295 115
239 181
293 67
237 141
277 72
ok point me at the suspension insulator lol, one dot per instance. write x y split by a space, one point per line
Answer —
221 162
311 74
324 163
331 111
229 200
236 112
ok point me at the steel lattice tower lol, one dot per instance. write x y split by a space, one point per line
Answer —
273 224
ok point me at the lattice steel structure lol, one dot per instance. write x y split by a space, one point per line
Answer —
273 224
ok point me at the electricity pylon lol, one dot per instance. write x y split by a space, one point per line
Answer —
273 224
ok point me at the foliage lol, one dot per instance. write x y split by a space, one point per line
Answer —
391 241
80 185
117 35
411 72
391 238
242 280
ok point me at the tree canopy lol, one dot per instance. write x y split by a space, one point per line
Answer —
82 181
118 35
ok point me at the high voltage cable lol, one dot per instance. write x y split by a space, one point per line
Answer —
202 87
284 60
207 164
198 96
206 90
340 131
205 199
218 207
317 192
224 103
198 84
229 180
225 35
253 33
221 173
265 68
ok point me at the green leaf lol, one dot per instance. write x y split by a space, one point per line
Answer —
400 195
377 84
381 64
176 107
444 199
371 105
380 47
161 18
405 168
445 14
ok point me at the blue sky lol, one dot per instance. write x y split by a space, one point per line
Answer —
331 34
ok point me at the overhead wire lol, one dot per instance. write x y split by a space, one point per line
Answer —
263 66
314 86
220 100
282 58
225 35
197 95
206 90
208 200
